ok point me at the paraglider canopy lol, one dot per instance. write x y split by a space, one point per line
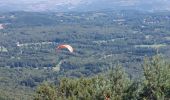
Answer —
65 46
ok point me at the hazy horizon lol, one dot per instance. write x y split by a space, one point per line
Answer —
81 5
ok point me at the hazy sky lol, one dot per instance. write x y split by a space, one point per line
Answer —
53 4
75 2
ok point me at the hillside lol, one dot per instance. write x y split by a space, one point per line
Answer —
28 42
100 37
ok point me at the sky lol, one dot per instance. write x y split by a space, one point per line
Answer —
43 5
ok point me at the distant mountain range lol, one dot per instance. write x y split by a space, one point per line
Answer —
83 5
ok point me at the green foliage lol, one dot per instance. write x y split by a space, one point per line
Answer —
112 85
117 86
99 38
80 89
157 79
46 92
118 82
16 83
132 91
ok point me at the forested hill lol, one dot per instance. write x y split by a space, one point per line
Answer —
99 38
28 42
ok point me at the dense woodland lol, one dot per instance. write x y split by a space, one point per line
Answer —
114 85
28 54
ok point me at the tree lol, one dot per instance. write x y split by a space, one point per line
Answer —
156 79
46 92
114 85
118 82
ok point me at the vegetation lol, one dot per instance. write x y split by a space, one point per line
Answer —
100 38
116 85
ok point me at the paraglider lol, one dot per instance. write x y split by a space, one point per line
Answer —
62 59
70 48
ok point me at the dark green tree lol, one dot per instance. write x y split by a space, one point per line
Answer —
46 92
156 79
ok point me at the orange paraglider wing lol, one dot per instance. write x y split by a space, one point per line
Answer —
65 46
